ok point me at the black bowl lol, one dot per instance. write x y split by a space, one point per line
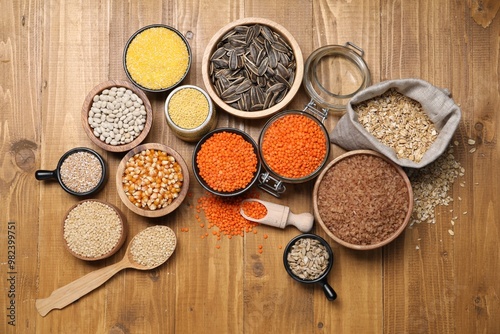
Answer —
327 289
196 170
42 175
137 33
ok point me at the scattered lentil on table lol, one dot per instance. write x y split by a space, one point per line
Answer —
92 229
308 258
188 108
117 116
227 162
294 146
157 58
224 213
398 122
363 199
152 179
81 172
153 246
253 68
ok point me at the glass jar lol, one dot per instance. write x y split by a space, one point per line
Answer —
189 114
333 74
271 180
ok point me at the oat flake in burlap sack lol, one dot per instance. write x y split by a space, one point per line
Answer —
441 109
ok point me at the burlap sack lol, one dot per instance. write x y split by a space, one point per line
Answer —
441 109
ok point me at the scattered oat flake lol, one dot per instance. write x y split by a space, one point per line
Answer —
417 247
452 223
471 141
451 232
465 212
472 150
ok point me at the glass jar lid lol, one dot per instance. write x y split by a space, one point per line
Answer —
335 73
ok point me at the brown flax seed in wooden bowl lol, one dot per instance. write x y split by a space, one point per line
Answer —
264 84
116 115
152 180
362 200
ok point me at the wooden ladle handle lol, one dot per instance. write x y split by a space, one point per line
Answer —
73 291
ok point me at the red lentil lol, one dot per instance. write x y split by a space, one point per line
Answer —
224 213
254 209
294 146
227 162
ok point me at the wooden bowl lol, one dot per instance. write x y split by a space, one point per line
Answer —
144 211
87 104
118 245
212 46
347 244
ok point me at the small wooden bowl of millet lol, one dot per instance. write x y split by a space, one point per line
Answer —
152 180
93 230
156 58
250 81
116 115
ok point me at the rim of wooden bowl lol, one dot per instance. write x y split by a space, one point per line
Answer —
118 245
339 240
175 203
299 71
87 104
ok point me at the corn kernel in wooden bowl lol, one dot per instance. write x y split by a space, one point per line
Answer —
157 58
152 180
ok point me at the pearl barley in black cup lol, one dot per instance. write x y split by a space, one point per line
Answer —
80 172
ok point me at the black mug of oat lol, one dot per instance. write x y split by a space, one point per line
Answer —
80 171
308 258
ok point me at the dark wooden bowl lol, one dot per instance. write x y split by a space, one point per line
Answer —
87 104
162 211
118 245
338 239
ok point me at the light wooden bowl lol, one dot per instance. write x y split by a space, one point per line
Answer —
175 203
87 104
212 46
338 239
118 245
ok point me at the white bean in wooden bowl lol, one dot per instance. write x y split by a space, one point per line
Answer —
116 116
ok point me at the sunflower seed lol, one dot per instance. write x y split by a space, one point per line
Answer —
252 67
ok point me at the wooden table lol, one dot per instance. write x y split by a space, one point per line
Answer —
427 281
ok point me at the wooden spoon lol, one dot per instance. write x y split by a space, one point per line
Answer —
73 291
280 216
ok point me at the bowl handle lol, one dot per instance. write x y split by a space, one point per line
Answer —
45 174
330 294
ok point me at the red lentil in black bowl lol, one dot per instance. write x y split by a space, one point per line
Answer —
294 146
80 171
226 162
362 200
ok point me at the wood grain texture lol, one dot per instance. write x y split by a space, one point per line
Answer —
52 53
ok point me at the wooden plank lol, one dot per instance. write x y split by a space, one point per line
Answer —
20 85
52 53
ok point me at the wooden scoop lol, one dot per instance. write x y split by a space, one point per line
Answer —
280 216
67 294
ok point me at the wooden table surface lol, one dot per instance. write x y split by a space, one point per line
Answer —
52 53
